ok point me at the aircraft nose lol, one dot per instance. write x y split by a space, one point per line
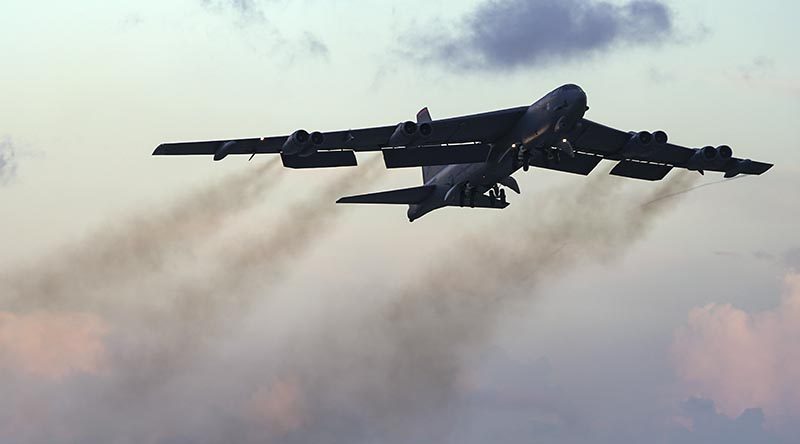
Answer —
574 94
577 96
580 98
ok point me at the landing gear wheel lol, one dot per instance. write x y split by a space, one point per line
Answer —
524 157
492 197
503 196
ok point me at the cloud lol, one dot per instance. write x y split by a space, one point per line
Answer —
374 370
266 31
744 360
701 423
792 258
52 345
250 9
8 160
279 406
508 34
315 46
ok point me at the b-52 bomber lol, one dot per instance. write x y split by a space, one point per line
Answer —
468 161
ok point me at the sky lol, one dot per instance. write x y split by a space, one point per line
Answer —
180 300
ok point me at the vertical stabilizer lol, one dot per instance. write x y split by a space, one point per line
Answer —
424 116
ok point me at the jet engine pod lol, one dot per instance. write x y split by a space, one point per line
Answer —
703 158
660 137
405 134
425 130
725 152
708 153
644 137
296 143
316 139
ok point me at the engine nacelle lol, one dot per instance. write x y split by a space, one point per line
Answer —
725 152
710 157
405 134
296 143
644 137
316 139
640 144
425 130
410 133
660 137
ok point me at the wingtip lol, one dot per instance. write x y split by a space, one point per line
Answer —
160 150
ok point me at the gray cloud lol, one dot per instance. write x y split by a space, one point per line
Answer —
255 13
375 367
250 9
508 34
315 46
397 366
792 258
705 425
8 160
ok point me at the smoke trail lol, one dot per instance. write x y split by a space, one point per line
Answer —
199 308
367 371
152 347
678 193
120 252
399 366
8 160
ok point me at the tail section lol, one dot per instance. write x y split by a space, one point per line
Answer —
404 196
424 116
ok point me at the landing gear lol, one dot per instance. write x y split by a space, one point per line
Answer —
497 195
468 195
553 154
524 157
472 195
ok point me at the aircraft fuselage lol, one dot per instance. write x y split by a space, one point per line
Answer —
542 127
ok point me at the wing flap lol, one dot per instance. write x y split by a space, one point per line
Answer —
641 170
582 164
435 155
321 159
397 197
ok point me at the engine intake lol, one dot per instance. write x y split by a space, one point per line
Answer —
709 157
725 152
410 133
315 140
660 137
296 143
404 134
425 129
303 144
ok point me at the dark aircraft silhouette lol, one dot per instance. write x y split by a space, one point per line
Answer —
467 161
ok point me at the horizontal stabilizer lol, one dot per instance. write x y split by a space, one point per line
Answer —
435 155
641 170
582 164
403 196
321 159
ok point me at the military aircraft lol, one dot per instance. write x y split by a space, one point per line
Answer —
468 161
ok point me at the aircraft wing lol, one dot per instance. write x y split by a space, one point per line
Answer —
337 147
652 159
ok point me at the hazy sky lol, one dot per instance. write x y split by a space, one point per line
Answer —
173 300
